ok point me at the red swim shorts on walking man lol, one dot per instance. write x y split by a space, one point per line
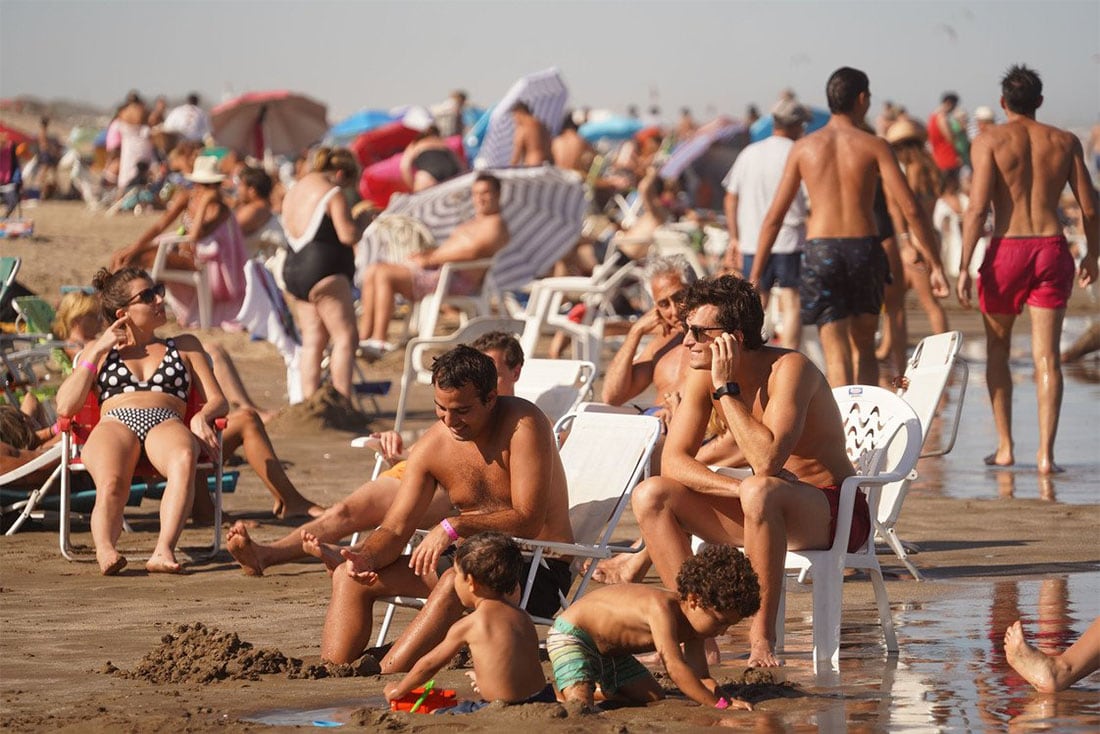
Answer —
1037 271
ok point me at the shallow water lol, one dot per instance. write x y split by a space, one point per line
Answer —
329 717
951 673
962 474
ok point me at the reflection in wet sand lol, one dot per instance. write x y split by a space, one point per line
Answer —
951 673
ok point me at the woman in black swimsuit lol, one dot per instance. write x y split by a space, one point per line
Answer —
318 273
142 383
429 161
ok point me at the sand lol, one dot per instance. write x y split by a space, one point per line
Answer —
210 648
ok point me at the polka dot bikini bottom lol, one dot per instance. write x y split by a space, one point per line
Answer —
142 420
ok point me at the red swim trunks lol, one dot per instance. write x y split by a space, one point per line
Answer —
1037 271
861 518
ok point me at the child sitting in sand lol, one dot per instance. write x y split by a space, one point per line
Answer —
503 644
593 641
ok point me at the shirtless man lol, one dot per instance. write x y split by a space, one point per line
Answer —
366 506
481 237
780 411
496 458
843 265
570 151
1021 168
531 143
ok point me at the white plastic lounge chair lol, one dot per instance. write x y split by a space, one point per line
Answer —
934 363
600 481
425 313
556 386
197 279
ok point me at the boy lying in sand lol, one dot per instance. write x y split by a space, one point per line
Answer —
503 644
593 641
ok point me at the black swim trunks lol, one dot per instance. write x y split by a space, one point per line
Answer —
550 580
841 277
440 164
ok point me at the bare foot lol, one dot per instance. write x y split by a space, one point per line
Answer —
1047 466
762 655
305 508
111 563
162 563
243 550
1000 458
329 554
1035 667
624 568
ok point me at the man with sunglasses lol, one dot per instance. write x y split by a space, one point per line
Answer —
778 408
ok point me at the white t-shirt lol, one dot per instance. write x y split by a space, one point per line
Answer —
755 177
189 122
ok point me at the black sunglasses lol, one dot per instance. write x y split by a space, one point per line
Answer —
149 295
698 332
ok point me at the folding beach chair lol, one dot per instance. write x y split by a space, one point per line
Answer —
600 482
556 386
75 431
934 365
9 268
14 498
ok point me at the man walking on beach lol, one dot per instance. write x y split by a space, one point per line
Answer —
843 266
1021 168
781 414
750 188
496 458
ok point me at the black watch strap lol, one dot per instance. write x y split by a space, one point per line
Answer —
730 388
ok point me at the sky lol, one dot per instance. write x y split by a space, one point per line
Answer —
714 57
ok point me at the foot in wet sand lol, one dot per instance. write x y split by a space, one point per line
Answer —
329 554
1035 667
762 655
1000 458
243 550
162 563
1047 466
111 563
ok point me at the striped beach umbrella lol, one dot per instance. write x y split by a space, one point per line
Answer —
691 150
543 208
544 92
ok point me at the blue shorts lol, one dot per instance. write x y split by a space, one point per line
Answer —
841 277
782 270
546 695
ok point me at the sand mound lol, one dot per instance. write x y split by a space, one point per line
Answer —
759 684
194 653
325 408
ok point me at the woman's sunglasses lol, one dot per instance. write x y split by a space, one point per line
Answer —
149 295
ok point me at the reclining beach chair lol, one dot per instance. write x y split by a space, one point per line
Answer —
605 455
14 499
935 363
75 431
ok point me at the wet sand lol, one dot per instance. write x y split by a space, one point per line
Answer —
987 556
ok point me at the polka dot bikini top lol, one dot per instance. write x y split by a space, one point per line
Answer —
171 376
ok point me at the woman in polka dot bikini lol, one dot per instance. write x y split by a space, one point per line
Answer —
142 383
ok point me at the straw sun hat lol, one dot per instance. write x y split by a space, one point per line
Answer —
904 130
205 171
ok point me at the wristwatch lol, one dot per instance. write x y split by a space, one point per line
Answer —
730 388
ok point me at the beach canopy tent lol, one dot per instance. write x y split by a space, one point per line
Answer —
382 179
543 208
762 128
615 128
544 92
356 124
382 142
279 121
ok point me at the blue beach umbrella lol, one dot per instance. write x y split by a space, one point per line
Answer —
615 128
762 128
358 123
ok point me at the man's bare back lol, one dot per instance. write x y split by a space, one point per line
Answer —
571 152
1029 165
531 142
839 165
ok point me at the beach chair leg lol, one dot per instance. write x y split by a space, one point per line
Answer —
384 628
884 609
901 552
828 595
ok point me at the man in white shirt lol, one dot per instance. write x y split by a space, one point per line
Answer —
750 188
188 121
